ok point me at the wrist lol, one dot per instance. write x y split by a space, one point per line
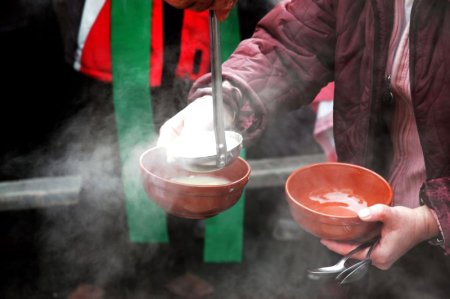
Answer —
430 226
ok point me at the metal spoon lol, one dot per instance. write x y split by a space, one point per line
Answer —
341 265
224 155
358 270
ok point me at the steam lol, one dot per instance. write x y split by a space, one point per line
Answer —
90 240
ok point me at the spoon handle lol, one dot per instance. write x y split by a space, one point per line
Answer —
358 270
340 266
216 73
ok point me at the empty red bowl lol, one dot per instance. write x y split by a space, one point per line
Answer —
190 194
324 198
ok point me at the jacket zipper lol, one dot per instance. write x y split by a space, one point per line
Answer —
379 81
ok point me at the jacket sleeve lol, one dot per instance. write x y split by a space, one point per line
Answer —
435 193
286 62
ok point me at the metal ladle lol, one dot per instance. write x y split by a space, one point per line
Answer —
224 155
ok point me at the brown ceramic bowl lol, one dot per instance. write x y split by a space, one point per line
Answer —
197 199
323 199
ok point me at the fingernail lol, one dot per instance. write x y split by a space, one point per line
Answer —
364 213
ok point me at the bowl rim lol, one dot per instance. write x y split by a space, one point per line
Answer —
245 177
293 200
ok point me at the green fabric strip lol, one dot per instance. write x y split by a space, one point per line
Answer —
130 50
224 233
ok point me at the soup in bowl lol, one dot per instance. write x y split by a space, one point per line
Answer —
189 194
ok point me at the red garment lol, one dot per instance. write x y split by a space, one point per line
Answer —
325 94
301 45
323 127
93 54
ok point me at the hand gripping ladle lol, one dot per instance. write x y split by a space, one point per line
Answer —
224 154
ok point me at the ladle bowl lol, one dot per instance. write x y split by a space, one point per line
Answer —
195 200
307 192
199 154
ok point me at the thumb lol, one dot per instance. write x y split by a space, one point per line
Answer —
378 212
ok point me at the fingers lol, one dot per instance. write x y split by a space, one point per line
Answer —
195 118
374 213
199 116
171 129
344 248
380 255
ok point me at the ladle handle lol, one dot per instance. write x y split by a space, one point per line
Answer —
216 73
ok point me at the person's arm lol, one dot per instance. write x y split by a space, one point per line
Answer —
282 66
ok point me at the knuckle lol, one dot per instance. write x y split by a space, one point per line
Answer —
383 266
383 211
382 261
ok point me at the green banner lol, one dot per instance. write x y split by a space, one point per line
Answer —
224 233
130 50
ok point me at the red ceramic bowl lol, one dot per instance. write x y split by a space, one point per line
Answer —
323 199
196 200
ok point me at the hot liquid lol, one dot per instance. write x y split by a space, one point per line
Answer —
339 203
201 180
